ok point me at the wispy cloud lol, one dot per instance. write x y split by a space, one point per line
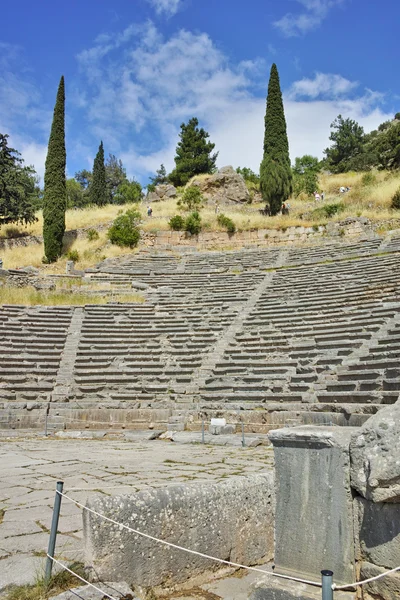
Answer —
325 85
141 93
154 83
314 12
166 7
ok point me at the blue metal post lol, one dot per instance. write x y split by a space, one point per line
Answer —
327 580
53 531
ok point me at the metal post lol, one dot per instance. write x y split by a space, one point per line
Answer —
53 531
202 432
45 424
243 440
327 580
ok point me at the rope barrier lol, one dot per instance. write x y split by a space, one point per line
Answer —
348 585
195 552
81 578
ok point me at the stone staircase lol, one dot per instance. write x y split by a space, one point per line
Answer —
267 337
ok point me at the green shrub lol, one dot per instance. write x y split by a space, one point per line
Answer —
124 231
92 235
177 223
227 223
315 227
396 200
193 223
328 211
191 199
368 179
73 255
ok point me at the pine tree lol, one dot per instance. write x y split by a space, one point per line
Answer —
55 194
275 170
193 153
98 189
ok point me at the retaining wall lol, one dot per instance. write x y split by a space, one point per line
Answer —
231 520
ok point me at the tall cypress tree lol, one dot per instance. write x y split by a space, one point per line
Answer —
98 190
275 170
55 193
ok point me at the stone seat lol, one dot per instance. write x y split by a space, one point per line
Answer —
349 397
259 396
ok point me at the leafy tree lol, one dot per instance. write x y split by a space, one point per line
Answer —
248 175
18 187
76 197
97 190
124 231
348 144
387 147
55 196
193 153
128 192
191 199
159 179
84 178
115 175
305 174
275 169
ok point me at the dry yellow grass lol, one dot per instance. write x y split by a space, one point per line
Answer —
371 201
28 296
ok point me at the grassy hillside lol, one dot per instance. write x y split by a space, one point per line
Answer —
370 196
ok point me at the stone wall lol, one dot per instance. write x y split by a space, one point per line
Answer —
231 520
338 502
350 228
375 475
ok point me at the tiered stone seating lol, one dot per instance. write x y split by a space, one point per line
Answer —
131 352
31 342
301 330
277 335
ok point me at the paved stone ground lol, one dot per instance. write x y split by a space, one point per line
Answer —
31 466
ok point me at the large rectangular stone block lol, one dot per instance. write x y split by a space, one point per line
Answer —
379 532
231 520
314 512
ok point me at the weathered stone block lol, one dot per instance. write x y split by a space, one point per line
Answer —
379 532
314 512
232 520
386 588
375 456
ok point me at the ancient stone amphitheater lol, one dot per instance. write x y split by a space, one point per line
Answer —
262 336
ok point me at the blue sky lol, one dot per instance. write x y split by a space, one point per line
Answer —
135 69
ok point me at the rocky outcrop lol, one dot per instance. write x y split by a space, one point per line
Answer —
164 191
224 187
375 456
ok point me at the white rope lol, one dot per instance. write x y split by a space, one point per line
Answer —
343 587
195 552
81 578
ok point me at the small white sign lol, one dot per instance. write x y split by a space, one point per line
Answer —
218 422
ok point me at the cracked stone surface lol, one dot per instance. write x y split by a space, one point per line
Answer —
30 468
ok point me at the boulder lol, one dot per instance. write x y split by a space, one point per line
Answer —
225 186
163 191
375 456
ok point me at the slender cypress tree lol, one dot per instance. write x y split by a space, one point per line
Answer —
98 189
275 170
55 193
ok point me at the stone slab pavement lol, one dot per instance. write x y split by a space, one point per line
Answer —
30 467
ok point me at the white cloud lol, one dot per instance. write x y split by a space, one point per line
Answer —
292 25
135 99
167 7
323 84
